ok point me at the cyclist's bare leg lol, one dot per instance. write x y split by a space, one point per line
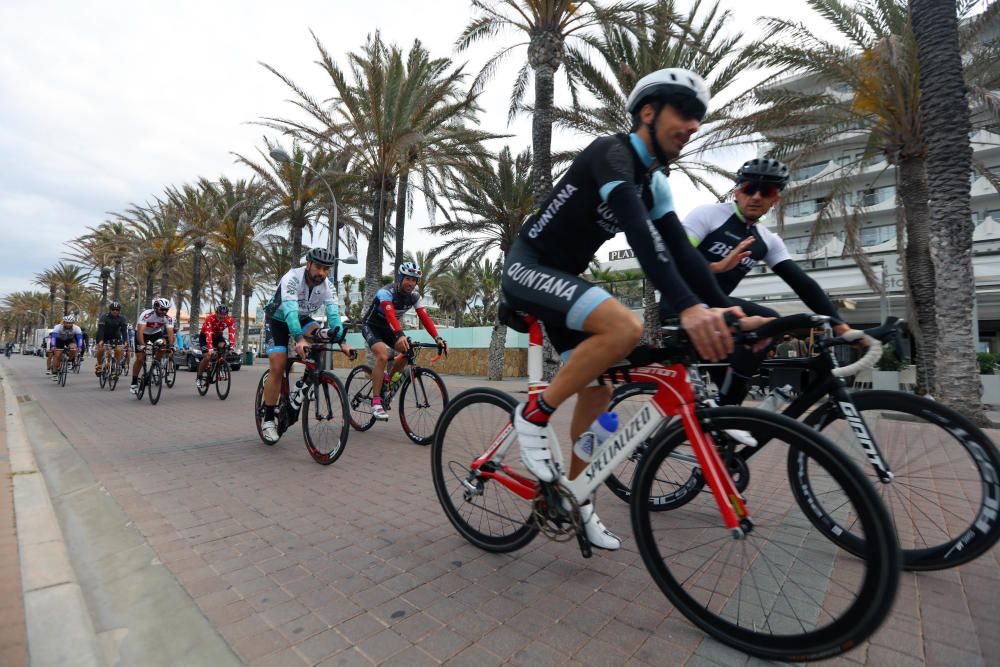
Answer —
616 331
140 355
590 403
100 353
272 387
381 353
206 359
401 360
56 358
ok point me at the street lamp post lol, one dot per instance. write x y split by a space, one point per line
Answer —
333 242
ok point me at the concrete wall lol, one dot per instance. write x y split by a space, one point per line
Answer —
461 361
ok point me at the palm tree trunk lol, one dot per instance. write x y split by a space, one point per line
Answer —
118 279
150 279
165 278
404 180
498 342
105 276
297 226
65 301
944 115
195 312
373 260
545 52
650 311
239 267
918 269
52 304
246 318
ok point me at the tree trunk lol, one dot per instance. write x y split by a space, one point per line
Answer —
498 343
150 280
239 266
52 304
944 115
105 276
404 180
117 296
165 279
373 259
545 53
296 226
195 312
246 319
650 311
918 268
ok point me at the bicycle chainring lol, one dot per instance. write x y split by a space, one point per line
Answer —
551 517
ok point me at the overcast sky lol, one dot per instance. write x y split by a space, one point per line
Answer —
107 102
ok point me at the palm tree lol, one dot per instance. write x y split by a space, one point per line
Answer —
194 204
872 89
49 281
489 203
241 208
944 114
658 38
456 287
546 25
70 278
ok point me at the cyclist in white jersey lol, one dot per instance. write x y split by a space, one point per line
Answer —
153 325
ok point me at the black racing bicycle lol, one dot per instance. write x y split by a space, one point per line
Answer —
152 372
219 373
318 397
422 395
938 474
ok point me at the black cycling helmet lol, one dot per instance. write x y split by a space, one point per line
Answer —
680 88
320 256
114 305
763 170
222 310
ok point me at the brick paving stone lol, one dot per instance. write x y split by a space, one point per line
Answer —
410 657
292 558
349 658
285 658
13 634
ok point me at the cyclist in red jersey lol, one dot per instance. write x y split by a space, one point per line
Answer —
211 336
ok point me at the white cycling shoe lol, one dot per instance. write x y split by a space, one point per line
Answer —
533 441
739 435
134 388
379 413
269 430
597 534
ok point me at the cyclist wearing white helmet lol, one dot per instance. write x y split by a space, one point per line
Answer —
300 293
616 184
153 325
382 330
64 336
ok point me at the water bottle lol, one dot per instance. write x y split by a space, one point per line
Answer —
603 428
777 399
295 398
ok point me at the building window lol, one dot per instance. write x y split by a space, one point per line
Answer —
808 171
995 214
877 235
797 245
801 208
875 196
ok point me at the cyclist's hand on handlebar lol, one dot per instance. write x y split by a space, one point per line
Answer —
407 344
842 328
442 345
346 349
302 348
708 331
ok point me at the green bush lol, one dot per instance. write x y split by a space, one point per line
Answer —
987 362
889 360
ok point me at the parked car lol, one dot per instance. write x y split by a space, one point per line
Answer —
29 350
187 356
16 349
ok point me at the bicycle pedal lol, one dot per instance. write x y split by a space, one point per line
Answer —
585 549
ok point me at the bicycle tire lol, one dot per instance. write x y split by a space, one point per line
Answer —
258 407
102 377
330 402
63 370
113 376
945 490
359 397
155 382
420 419
467 426
143 379
222 379
836 601
169 373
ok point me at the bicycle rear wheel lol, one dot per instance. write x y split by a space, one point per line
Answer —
258 406
784 591
63 370
427 399
114 371
169 372
359 397
324 419
222 380
945 490
102 377
483 510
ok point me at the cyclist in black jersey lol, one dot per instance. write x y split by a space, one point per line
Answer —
731 239
112 329
615 184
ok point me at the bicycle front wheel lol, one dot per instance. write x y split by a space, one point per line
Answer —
63 371
324 419
784 591
170 373
102 377
421 402
484 510
223 379
945 489
359 397
113 373
155 382
258 407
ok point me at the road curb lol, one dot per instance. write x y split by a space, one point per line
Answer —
60 630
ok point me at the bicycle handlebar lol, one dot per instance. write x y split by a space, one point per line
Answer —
868 361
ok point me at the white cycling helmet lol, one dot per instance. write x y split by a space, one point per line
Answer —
409 269
161 303
681 88
70 318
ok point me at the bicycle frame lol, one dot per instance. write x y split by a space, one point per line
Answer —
826 384
675 396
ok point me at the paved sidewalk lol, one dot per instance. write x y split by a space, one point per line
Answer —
13 639
293 563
